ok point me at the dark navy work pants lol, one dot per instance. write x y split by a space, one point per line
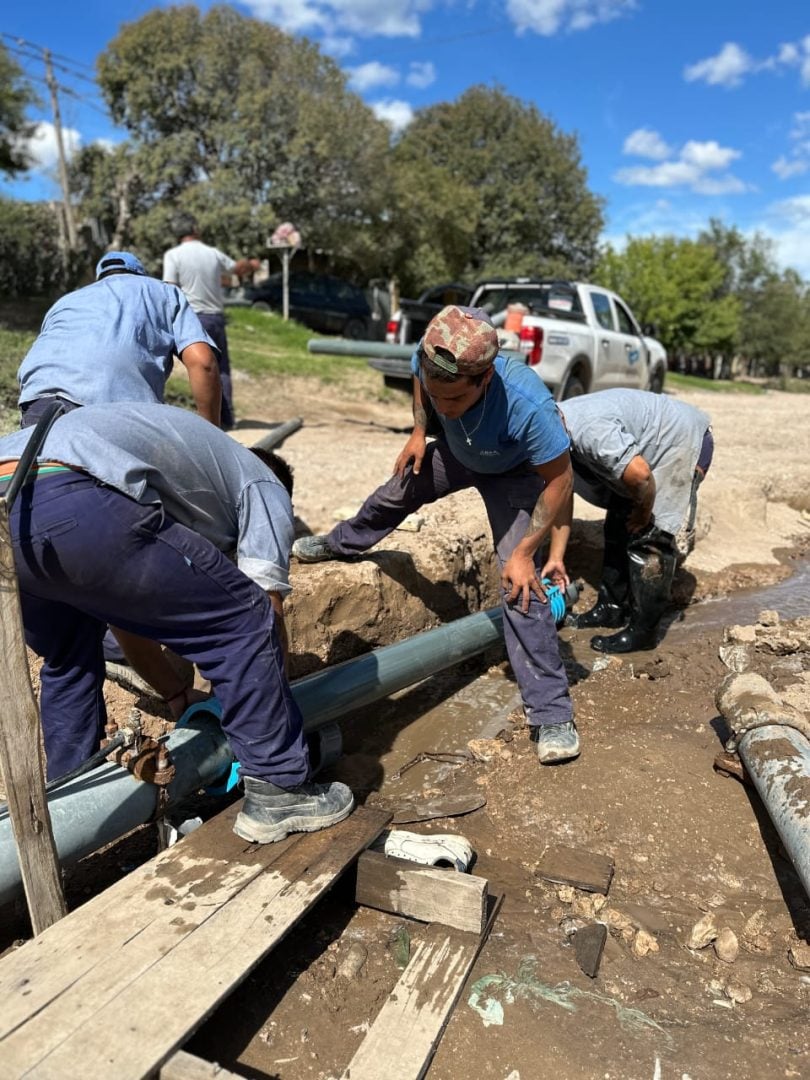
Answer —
531 639
86 556
214 326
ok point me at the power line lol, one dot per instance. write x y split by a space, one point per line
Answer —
66 59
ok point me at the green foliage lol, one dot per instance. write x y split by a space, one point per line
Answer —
244 126
674 284
513 191
30 260
16 94
677 381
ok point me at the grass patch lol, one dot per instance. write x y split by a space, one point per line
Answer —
261 343
677 381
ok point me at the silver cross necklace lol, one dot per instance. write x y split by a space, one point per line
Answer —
469 434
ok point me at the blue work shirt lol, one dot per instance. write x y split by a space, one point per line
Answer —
114 340
516 424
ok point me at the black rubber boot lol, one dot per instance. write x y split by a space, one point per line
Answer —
652 560
603 613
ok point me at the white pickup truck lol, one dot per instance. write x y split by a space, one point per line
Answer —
577 337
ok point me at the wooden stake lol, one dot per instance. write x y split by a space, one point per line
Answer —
21 754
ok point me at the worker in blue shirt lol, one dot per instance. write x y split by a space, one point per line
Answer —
501 433
116 340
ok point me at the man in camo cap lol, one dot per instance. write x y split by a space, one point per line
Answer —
501 433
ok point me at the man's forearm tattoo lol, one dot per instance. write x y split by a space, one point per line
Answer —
541 518
419 415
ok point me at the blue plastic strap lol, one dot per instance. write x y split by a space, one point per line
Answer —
230 778
555 599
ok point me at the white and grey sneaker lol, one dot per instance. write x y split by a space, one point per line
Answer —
312 549
270 813
555 742
429 850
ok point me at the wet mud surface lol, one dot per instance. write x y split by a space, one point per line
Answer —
688 843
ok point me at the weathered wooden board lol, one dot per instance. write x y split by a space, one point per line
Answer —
406 1032
171 954
422 892
572 866
21 754
183 1066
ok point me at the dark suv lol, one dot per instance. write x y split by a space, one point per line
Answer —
324 303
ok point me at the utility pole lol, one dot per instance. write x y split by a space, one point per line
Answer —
70 221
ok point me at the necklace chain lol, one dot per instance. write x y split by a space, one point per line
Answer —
469 434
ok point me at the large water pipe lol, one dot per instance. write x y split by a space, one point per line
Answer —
104 804
773 741
344 347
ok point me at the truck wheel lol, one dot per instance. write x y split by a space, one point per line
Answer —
573 388
355 329
657 381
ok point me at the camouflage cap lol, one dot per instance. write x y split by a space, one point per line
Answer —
461 340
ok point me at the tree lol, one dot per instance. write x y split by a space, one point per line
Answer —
514 173
675 284
246 127
16 94
31 263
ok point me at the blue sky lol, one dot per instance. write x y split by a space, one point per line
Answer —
684 110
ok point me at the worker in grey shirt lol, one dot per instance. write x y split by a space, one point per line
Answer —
642 457
198 268
128 518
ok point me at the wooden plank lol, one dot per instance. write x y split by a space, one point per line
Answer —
183 1066
206 869
159 985
572 866
406 1032
21 754
422 892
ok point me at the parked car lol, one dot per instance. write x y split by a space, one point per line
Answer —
410 321
322 302
578 337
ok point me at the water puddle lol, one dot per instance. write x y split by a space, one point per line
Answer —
790 598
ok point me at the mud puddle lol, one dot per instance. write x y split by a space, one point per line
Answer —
790 598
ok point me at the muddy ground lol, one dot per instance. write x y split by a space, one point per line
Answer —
686 841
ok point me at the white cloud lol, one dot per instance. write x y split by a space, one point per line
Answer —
695 167
41 146
547 17
729 67
397 114
422 73
797 162
645 143
787 223
365 18
784 168
337 46
725 69
370 75
708 155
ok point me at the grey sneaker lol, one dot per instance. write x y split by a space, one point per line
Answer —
556 742
312 549
269 812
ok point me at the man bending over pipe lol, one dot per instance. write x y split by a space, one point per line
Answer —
127 518
501 434
641 456
116 340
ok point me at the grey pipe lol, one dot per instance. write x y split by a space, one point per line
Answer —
344 347
276 436
104 804
777 758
